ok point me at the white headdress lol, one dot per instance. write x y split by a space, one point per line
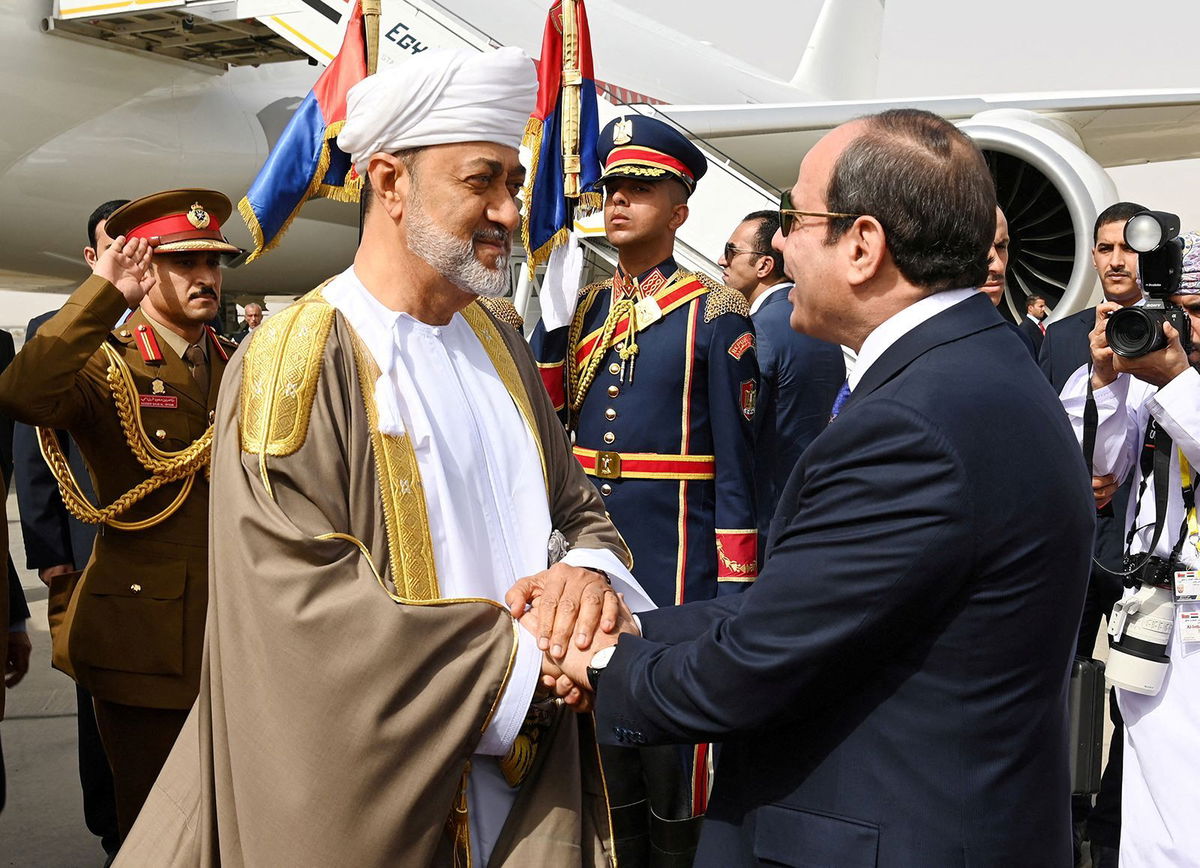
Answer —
440 97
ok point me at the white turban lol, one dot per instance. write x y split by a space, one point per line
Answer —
440 97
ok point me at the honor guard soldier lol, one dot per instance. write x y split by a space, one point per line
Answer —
138 399
656 378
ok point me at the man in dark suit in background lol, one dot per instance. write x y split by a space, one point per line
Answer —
1033 325
14 641
876 691
56 545
799 376
1064 350
254 317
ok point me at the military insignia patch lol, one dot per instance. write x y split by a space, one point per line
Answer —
743 342
749 399
197 216
157 386
159 402
623 132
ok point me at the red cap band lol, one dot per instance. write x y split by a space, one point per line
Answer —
174 224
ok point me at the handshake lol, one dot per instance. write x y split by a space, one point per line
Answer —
574 613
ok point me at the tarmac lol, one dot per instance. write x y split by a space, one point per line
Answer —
42 824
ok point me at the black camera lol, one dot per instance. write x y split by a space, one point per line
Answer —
1136 331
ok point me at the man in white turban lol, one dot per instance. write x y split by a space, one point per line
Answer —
386 464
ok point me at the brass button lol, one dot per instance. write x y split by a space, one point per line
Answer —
212 416
613 391
609 437
125 333
614 368
610 414
606 489
160 433
137 589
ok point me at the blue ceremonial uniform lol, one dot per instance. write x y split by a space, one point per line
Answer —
669 445
799 378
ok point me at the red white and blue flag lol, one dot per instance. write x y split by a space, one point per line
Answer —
306 162
562 134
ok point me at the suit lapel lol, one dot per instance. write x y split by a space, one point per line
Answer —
173 371
971 315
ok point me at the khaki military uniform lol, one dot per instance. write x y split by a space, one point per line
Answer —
134 629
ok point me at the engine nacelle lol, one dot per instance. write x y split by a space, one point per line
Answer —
1051 192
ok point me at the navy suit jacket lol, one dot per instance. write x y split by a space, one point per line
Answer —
1034 332
1066 347
892 690
799 378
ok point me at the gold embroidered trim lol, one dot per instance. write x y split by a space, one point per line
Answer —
279 380
410 548
503 310
721 299
506 367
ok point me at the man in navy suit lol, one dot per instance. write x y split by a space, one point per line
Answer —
1063 351
798 376
1033 325
892 690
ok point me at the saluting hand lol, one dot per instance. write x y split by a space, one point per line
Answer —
126 265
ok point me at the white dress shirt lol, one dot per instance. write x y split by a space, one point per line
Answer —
485 495
782 286
897 326
1161 778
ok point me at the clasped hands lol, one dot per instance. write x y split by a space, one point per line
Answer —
573 612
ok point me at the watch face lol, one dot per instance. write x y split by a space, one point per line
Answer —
600 658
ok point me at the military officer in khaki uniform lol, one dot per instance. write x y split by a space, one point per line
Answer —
138 399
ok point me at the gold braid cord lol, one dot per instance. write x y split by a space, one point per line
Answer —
580 377
164 467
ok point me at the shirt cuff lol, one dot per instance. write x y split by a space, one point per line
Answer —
1177 395
514 702
622 580
17 627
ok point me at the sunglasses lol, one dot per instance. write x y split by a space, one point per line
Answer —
789 216
731 251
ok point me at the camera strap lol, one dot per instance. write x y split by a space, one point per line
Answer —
1155 463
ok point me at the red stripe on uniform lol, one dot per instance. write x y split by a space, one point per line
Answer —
552 379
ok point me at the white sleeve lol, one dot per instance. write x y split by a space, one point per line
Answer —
1176 406
514 702
1121 415
622 580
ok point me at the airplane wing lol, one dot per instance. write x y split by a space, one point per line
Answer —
1117 128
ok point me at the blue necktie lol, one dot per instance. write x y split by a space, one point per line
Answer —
839 402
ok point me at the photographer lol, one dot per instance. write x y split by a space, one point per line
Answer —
1148 406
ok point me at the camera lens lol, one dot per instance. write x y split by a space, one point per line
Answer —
1132 333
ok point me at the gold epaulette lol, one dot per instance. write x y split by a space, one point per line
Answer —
504 310
279 378
721 299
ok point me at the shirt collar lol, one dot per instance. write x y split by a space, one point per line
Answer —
176 342
647 283
767 293
901 323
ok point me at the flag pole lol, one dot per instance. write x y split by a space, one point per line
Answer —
371 10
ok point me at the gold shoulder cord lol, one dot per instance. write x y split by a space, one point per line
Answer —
580 378
164 467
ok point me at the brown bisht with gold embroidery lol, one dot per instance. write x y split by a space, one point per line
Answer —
341 700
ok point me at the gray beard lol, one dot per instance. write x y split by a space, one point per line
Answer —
453 258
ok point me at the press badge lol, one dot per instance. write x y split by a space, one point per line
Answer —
1189 625
1187 586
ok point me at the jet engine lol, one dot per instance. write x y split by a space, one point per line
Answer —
1051 192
